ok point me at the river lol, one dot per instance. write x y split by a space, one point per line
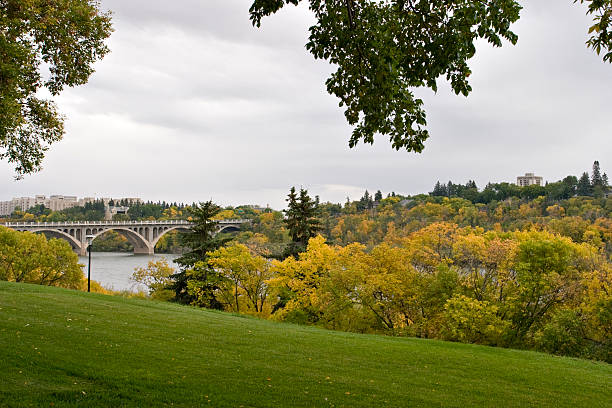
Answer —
114 269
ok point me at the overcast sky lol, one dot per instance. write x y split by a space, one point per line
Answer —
193 103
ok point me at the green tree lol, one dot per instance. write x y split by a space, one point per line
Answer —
583 188
547 269
301 219
156 277
596 179
64 37
31 258
601 30
200 239
383 50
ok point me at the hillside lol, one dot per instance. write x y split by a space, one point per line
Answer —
67 348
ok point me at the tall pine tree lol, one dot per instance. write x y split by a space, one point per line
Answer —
302 221
200 239
596 179
583 188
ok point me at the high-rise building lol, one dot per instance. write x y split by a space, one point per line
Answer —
529 179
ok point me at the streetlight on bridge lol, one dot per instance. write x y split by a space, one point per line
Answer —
89 239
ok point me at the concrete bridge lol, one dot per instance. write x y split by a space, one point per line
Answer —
142 234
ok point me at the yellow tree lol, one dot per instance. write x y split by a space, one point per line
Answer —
31 258
155 276
303 277
386 282
247 273
431 246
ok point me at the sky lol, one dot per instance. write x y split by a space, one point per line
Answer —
193 104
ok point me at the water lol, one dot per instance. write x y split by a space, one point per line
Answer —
114 269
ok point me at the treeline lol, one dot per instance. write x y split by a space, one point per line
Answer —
148 211
596 186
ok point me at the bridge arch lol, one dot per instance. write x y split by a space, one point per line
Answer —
55 233
229 228
140 243
161 231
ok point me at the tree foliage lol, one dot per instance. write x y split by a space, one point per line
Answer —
197 281
385 49
601 30
31 258
66 37
301 219
246 276
156 277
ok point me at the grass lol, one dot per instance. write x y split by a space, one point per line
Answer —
65 348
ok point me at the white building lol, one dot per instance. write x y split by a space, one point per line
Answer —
529 179
54 203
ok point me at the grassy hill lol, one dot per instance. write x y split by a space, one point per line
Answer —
65 348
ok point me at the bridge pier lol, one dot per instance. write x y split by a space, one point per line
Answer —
144 251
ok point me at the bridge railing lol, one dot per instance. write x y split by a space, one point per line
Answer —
106 223
78 223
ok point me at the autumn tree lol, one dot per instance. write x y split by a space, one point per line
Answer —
45 45
31 258
383 50
156 277
246 274
547 274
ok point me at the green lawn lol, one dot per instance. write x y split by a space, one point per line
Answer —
65 348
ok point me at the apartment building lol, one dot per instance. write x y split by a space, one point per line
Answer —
54 203
529 179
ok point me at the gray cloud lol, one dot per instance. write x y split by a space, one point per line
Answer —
193 103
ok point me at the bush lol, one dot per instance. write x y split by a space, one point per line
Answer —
563 334
472 321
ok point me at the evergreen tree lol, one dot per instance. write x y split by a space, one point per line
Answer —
604 180
583 188
365 202
302 221
439 190
596 179
200 239
378 196
450 189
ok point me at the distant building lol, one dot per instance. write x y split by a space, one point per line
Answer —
257 207
54 203
529 179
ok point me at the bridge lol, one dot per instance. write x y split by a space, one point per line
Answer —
143 235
